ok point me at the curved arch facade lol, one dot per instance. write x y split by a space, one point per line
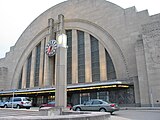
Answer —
104 38
91 60
119 37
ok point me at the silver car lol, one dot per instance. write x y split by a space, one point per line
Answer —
18 102
97 105
2 103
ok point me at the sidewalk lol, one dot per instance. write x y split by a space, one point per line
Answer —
118 118
139 108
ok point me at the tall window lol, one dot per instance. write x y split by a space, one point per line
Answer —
81 57
37 65
111 74
95 59
28 71
69 56
20 80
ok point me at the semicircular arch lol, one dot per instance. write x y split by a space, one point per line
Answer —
107 40
98 32
27 51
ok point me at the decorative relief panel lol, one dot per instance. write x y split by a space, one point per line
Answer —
151 39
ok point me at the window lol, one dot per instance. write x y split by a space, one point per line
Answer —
20 80
81 57
88 103
96 102
17 99
69 56
28 71
37 65
111 74
95 59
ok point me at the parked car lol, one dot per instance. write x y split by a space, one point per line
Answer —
97 105
2 103
18 102
52 104
49 104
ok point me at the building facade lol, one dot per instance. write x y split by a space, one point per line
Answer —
113 54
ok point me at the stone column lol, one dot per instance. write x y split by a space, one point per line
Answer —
142 73
61 77
24 75
74 57
88 67
61 70
41 70
102 61
33 67
48 67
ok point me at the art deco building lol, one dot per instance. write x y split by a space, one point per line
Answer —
113 54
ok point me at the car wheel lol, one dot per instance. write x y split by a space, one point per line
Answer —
111 113
27 107
102 110
18 107
5 106
78 109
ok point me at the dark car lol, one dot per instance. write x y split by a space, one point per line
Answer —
52 104
97 105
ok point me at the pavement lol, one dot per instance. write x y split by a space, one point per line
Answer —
139 108
36 116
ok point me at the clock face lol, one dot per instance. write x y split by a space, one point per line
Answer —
51 48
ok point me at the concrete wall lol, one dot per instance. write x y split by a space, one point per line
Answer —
151 40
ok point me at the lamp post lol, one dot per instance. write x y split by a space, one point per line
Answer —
12 97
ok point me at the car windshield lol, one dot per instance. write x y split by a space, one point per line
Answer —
51 102
26 99
99 102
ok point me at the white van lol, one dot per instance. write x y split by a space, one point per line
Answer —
18 102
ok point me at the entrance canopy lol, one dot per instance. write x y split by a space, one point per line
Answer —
73 87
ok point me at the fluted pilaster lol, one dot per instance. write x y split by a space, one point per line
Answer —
33 67
74 57
88 69
24 75
41 70
102 61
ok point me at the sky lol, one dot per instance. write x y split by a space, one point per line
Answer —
16 15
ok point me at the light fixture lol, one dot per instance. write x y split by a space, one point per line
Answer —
62 40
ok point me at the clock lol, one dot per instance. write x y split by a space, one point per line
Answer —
51 48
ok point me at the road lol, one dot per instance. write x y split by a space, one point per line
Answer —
118 115
17 112
136 115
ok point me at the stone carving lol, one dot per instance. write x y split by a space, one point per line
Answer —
151 38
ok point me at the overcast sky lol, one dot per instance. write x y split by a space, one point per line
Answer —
16 15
